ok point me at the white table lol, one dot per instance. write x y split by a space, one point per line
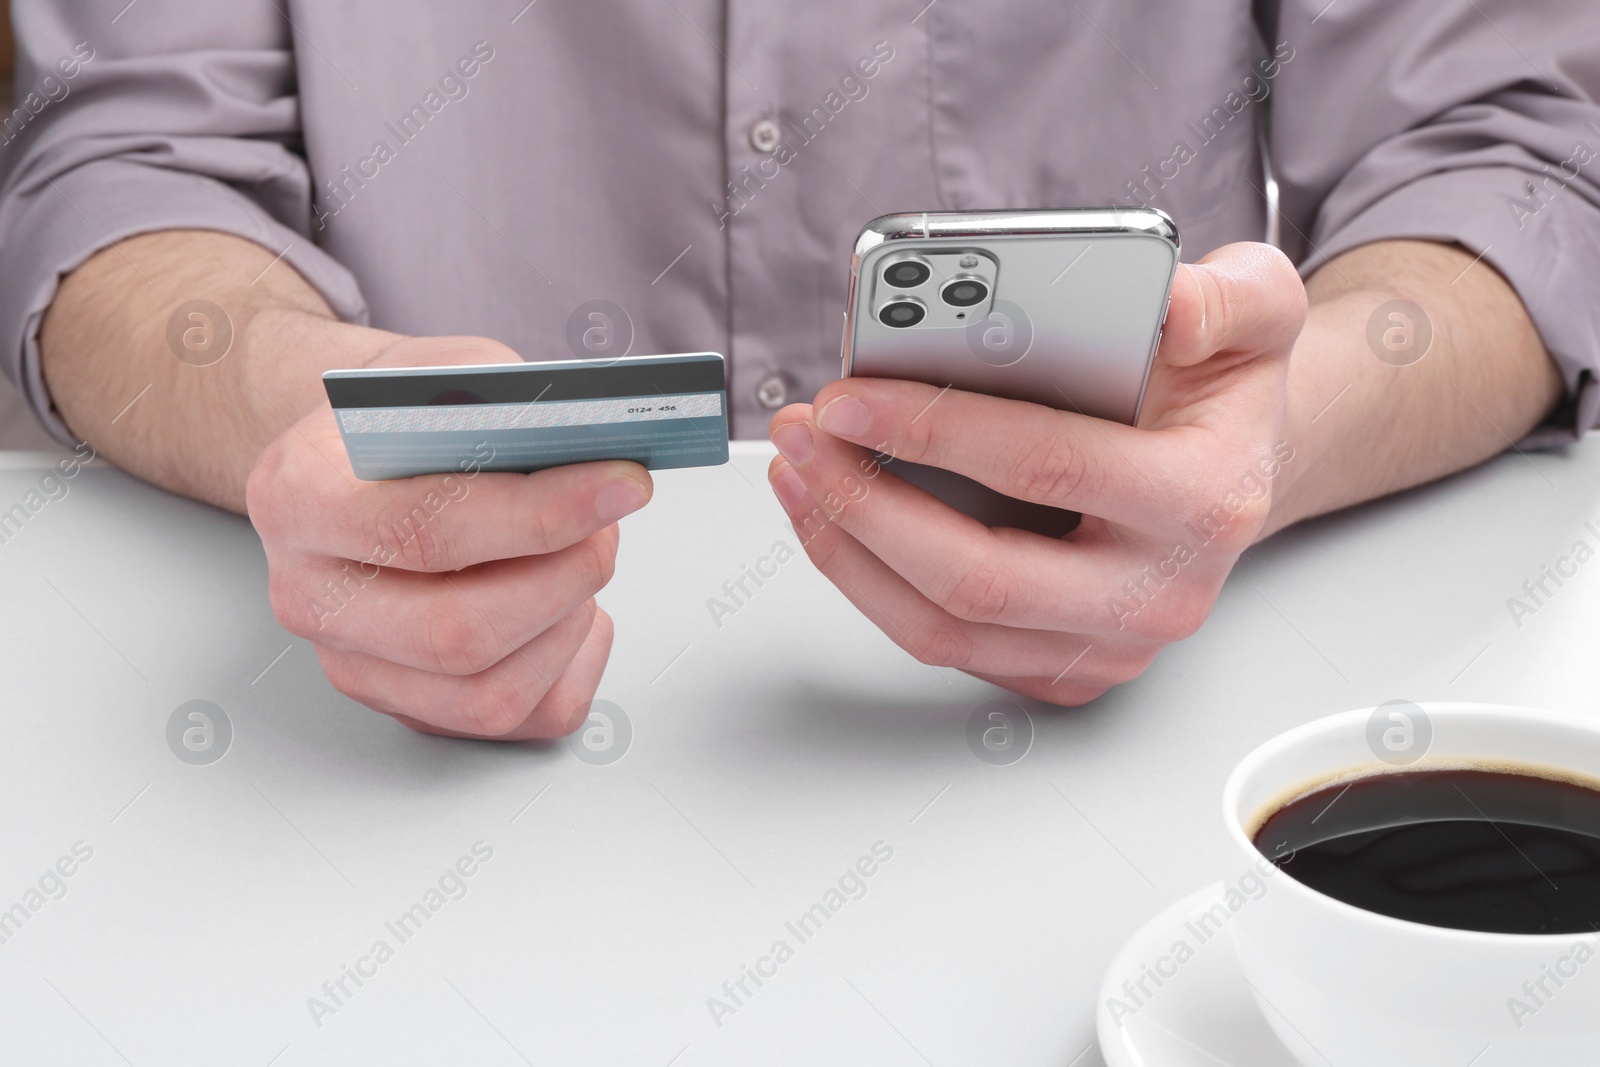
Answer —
767 756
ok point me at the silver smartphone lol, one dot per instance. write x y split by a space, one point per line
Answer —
1061 308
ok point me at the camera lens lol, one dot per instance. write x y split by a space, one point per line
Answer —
902 313
907 273
964 292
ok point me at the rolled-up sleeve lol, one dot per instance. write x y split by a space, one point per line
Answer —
1472 122
132 123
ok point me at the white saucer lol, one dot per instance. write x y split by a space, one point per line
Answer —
1204 1015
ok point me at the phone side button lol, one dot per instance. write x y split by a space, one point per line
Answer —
844 346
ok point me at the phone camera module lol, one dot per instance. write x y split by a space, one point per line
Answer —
964 292
902 313
907 273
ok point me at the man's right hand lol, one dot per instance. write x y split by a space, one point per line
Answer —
460 604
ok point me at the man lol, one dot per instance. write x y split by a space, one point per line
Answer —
205 206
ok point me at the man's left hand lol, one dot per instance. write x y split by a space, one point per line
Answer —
1167 506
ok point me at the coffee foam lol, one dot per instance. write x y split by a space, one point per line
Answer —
1374 768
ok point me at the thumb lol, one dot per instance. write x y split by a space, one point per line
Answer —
1241 297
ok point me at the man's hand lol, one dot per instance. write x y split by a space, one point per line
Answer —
460 604
1167 507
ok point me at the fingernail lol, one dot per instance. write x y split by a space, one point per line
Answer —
792 492
618 498
794 441
845 417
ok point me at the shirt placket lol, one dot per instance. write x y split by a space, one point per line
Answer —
751 209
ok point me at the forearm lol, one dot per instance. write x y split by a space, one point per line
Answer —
1362 427
195 429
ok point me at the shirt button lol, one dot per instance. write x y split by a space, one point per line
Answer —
772 392
765 135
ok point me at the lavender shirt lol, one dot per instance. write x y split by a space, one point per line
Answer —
682 175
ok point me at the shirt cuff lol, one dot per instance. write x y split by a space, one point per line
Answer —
1547 246
55 227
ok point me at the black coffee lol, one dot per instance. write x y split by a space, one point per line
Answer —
1470 849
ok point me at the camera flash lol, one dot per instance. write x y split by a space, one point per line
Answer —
968 262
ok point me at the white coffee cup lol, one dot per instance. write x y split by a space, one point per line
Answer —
1346 987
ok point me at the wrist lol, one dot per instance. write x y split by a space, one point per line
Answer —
283 353
1322 389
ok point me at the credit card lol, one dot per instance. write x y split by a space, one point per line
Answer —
660 411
